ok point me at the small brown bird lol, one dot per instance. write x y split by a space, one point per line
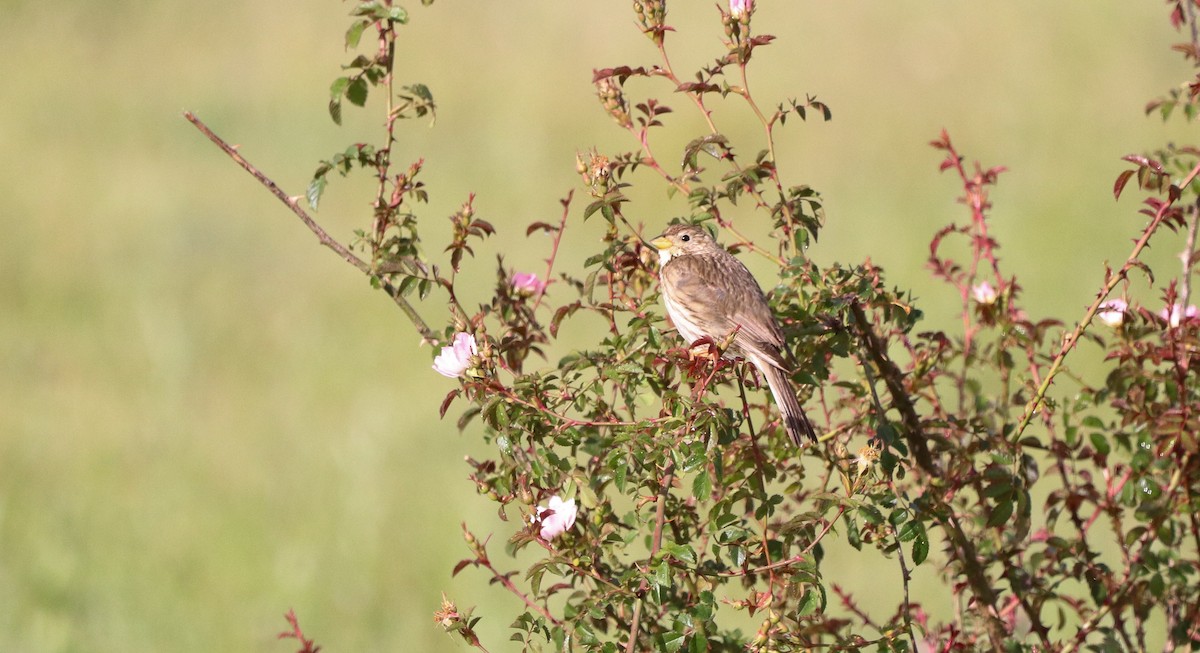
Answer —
709 293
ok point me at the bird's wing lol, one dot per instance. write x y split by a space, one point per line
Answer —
723 295
758 332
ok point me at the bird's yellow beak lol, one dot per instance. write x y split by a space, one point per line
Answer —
661 243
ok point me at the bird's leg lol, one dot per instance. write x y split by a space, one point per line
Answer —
707 347
699 351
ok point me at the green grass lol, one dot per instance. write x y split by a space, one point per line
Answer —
207 419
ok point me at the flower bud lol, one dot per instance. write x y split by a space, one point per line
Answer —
1112 312
740 10
652 16
984 293
613 99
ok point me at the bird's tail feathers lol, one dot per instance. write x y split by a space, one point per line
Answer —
794 420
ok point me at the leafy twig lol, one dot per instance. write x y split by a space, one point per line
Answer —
323 237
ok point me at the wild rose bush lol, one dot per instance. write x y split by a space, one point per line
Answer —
654 480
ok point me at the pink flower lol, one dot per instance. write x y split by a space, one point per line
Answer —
1177 313
527 283
557 518
1112 312
984 293
455 359
739 9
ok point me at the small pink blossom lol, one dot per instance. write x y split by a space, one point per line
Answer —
984 293
557 518
1112 312
1177 313
739 9
455 359
527 283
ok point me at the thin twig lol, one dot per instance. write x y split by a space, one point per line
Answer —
1189 258
323 237
660 519
508 584
905 577
558 234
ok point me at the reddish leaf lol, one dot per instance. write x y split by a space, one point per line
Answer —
1119 186
622 73
462 564
446 402
543 226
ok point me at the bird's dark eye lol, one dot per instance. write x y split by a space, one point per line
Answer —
685 238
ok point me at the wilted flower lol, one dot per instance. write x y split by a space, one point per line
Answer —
455 359
866 458
1112 312
448 615
557 518
984 293
739 9
527 283
1177 313
596 171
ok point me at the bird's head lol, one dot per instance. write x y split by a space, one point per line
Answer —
681 240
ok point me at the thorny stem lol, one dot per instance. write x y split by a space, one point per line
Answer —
1189 255
562 225
905 577
387 48
893 379
571 421
768 126
511 587
1070 341
660 519
323 237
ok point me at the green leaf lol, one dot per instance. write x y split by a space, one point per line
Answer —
335 110
315 188
702 486
398 15
871 515
354 34
366 8
920 545
421 91
673 641
357 92
338 87
1000 514
812 600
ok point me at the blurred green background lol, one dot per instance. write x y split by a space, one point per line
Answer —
206 419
